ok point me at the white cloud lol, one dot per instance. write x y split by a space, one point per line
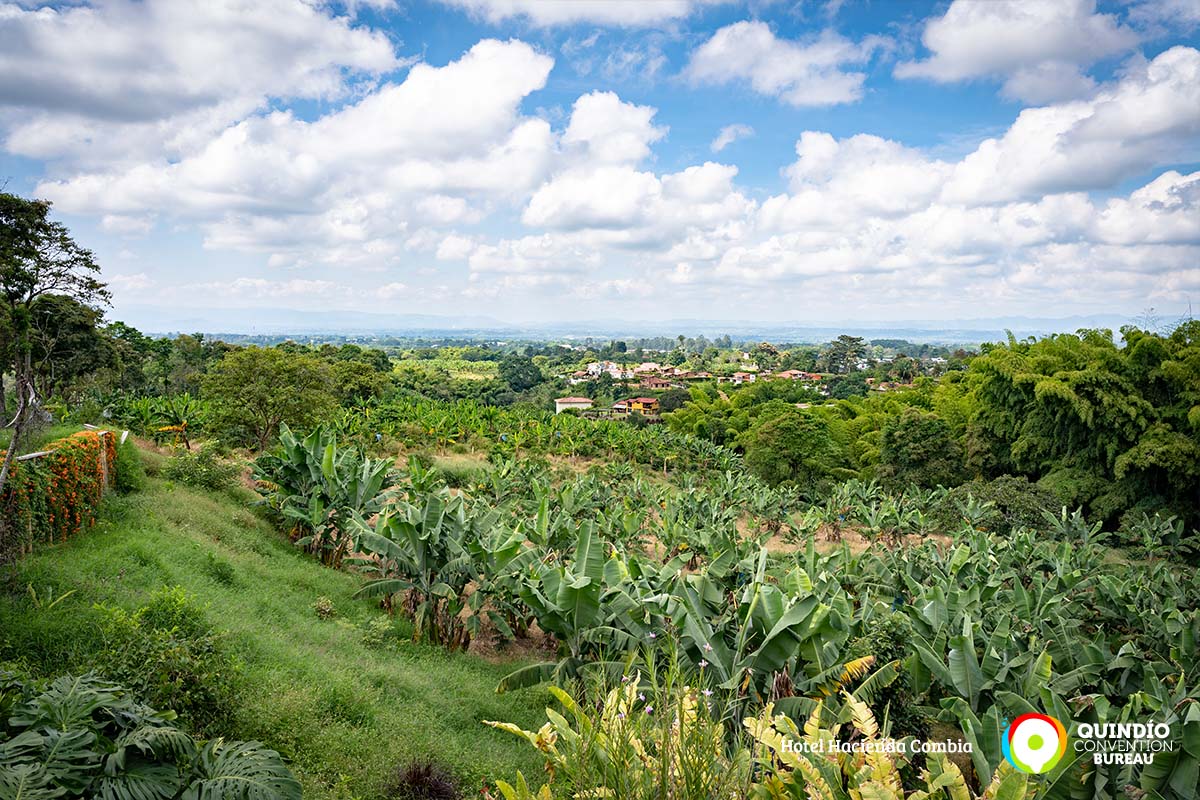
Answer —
800 73
1038 49
455 248
391 291
344 185
612 131
1150 116
566 12
121 79
730 134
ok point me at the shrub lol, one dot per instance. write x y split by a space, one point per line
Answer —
377 632
422 780
56 496
639 743
166 652
86 737
887 637
324 608
1016 503
635 742
201 469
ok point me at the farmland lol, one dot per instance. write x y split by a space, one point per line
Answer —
840 569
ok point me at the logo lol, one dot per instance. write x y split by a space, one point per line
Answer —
1034 743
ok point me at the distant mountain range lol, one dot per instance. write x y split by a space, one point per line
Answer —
281 322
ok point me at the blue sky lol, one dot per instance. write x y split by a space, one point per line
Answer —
538 161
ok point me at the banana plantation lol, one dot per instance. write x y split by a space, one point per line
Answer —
628 555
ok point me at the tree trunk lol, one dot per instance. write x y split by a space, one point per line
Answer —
26 396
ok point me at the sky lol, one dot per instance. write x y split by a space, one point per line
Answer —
549 160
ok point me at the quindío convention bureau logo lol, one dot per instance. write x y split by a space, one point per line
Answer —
1034 743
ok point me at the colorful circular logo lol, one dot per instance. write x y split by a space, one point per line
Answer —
1034 743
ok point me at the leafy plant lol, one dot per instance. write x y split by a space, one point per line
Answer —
81 736
202 468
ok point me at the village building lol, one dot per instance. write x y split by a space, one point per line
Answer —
561 404
647 406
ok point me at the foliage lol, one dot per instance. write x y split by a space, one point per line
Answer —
203 468
1006 502
256 390
342 714
56 496
318 488
39 263
791 447
662 740
919 449
520 373
637 741
808 764
1124 418
422 780
166 652
81 736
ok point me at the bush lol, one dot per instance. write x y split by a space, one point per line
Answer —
422 780
324 608
377 633
887 637
168 654
56 496
1015 503
201 469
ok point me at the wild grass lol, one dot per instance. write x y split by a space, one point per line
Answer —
33 440
345 697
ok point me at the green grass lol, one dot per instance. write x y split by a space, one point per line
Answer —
343 712
33 440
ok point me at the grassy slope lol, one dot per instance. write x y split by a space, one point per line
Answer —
344 713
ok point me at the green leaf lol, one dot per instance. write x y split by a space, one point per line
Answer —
241 771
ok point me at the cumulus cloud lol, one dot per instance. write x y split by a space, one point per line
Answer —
341 186
546 13
611 130
814 72
440 171
1150 116
1039 50
730 134
122 77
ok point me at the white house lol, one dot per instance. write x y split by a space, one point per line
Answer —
561 404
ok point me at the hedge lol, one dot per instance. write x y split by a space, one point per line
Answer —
55 496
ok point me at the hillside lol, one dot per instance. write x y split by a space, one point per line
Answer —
346 700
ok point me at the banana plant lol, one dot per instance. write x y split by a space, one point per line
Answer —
421 552
320 487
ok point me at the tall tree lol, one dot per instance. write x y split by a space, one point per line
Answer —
38 258
255 389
